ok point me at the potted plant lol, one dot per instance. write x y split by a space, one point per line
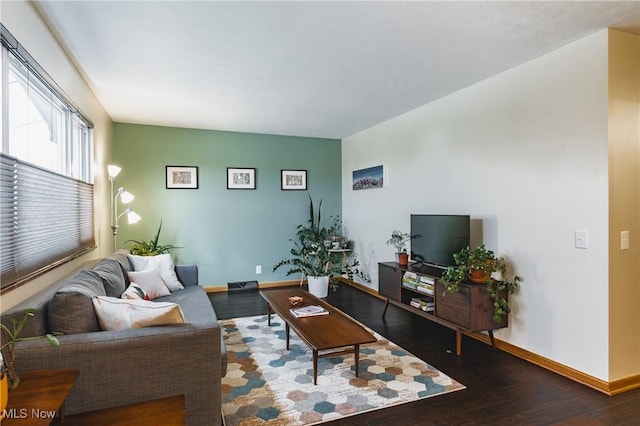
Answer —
478 265
151 248
399 240
311 254
11 336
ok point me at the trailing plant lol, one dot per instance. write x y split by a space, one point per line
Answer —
484 260
399 240
11 336
151 248
311 252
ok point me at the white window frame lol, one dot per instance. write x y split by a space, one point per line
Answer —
47 216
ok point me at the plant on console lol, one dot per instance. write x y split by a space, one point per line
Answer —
399 240
478 265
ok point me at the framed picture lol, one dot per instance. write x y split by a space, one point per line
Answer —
369 178
182 177
293 180
241 178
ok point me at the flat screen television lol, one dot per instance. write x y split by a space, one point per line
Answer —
440 237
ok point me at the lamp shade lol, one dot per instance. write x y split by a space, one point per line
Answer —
125 196
113 171
132 217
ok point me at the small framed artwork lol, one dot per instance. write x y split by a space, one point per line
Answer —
182 177
293 180
241 178
369 178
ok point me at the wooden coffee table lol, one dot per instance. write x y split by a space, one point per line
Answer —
336 330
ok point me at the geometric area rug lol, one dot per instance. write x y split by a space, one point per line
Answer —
266 384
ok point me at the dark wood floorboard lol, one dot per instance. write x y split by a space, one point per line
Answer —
501 389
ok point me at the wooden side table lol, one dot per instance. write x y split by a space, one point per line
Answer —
39 397
164 411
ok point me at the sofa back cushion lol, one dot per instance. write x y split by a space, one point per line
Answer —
71 309
112 276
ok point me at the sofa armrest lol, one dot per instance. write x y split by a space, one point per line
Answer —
187 274
131 366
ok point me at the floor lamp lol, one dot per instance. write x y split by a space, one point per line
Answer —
125 197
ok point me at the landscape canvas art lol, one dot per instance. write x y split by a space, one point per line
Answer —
369 178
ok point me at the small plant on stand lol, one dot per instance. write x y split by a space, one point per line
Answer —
11 336
399 241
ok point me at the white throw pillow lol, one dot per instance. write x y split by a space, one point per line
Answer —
134 292
162 263
122 314
151 282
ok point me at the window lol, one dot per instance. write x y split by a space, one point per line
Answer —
46 190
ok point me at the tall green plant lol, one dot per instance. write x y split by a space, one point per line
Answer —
311 253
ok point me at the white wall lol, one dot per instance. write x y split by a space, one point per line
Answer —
26 25
525 152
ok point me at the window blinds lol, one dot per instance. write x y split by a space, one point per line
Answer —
45 219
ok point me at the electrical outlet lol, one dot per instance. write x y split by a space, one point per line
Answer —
258 269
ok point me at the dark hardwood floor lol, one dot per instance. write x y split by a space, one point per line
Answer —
501 389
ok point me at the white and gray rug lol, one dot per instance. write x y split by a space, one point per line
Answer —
269 385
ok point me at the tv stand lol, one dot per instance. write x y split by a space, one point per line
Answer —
417 289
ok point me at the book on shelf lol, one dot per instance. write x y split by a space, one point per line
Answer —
410 276
420 283
425 288
410 285
422 288
423 304
308 311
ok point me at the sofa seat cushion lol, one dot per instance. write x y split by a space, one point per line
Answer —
194 303
197 309
71 309
122 314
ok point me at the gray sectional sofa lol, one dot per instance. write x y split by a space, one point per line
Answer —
127 366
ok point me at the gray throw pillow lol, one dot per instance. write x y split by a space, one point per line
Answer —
112 276
71 309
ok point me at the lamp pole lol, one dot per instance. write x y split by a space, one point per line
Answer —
125 197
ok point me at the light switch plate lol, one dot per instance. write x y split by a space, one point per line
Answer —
624 240
581 239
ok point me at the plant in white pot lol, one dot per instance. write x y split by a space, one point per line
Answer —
310 254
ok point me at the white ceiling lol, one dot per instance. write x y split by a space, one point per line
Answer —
323 69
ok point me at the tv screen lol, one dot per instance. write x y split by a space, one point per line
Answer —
440 237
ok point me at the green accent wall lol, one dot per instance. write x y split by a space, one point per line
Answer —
225 232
